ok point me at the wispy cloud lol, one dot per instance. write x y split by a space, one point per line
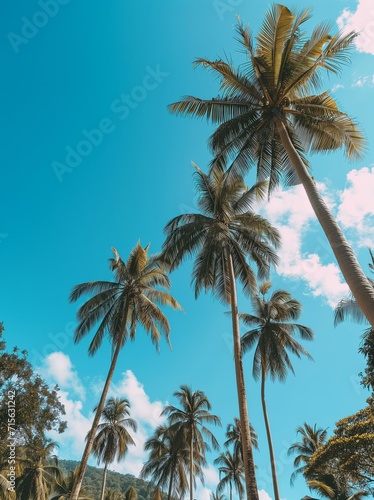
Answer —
360 20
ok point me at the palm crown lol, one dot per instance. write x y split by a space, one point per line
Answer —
128 300
227 221
278 83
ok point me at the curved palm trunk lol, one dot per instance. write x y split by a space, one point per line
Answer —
191 465
358 283
91 436
249 466
103 483
268 434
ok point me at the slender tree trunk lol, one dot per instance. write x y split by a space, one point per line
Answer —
191 465
249 466
230 490
103 483
358 283
268 433
91 436
170 485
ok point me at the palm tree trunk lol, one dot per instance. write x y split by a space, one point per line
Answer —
103 483
249 466
230 490
268 433
191 465
91 436
170 485
358 283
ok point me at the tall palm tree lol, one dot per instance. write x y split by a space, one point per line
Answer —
168 462
231 473
119 306
190 421
272 336
223 236
311 439
112 437
40 471
271 111
234 437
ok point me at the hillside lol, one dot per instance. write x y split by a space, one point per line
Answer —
115 481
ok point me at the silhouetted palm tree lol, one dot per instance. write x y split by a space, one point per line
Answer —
272 337
189 422
231 473
234 437
119 306
223 237
112 438
311 439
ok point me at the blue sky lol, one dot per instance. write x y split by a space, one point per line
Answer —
105 72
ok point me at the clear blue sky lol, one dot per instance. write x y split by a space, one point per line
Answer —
73 74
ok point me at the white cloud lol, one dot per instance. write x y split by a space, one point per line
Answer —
337 86
264 495
290 211
356 210
362 21
71 442
59 366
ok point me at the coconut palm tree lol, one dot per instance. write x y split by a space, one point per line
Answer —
223 236
113 495
272 337
234 437
311 439
217 496
231 473
168 462
349 308
189 422
112 437
131 493
40 471
271 111
119 306
62 489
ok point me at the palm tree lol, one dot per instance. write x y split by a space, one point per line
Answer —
168 462
223 236
349 308
234 437
40 472
270 113
311 439
334 487
189 422
119 306
217 496
113 495
131 493
273 337
62 489
112 437
231 473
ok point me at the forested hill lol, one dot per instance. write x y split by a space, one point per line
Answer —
115 481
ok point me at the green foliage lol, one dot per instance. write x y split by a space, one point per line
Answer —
117 483
37 406
349 453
